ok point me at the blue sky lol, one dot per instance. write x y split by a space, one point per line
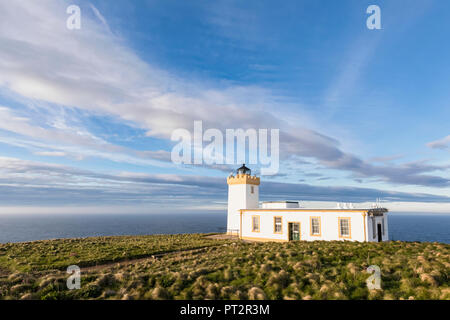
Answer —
86 115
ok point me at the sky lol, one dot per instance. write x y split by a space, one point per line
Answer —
87 115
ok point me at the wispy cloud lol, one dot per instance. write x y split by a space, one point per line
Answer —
36 183
51 153
100 17
443 143
386 159
96 72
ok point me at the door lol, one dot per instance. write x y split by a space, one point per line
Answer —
294 231
379 233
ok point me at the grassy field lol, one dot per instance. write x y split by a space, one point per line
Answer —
223 269
60 253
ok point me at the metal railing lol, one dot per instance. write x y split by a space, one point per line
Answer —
233 232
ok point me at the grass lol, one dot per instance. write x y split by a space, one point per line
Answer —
60 253
228 270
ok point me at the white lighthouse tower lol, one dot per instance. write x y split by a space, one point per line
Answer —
243 193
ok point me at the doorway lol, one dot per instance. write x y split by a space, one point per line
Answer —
294 231
380 235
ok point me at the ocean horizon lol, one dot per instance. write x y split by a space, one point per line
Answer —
26 227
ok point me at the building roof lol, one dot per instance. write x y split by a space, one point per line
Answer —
370 212
280 201
244 170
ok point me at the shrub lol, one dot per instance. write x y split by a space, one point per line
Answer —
256 293
296 270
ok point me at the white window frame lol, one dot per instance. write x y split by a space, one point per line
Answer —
349 226
319 226
275 225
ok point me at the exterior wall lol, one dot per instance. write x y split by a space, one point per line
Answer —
280 205
372 228
329 224
240 197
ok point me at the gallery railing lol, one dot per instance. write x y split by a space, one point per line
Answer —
233 232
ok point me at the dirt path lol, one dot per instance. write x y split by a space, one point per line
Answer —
220 236
153 257
137 260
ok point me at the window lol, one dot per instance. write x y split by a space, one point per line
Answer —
315 226
277 225
344 228
252 189
382 225
255 223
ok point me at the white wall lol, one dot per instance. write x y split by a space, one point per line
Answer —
329 224
373 221
240 197
280 205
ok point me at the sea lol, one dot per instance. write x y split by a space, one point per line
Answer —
421 227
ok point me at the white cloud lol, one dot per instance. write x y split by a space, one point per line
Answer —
443 143
100 17
34 184
74 142
88 69
51 153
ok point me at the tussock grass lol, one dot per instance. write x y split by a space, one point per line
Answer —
295 270
60 253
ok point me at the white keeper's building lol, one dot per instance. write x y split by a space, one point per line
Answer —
287 220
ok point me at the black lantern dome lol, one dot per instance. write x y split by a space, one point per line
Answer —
244 170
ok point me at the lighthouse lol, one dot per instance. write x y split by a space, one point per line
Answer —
243 193
289 221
